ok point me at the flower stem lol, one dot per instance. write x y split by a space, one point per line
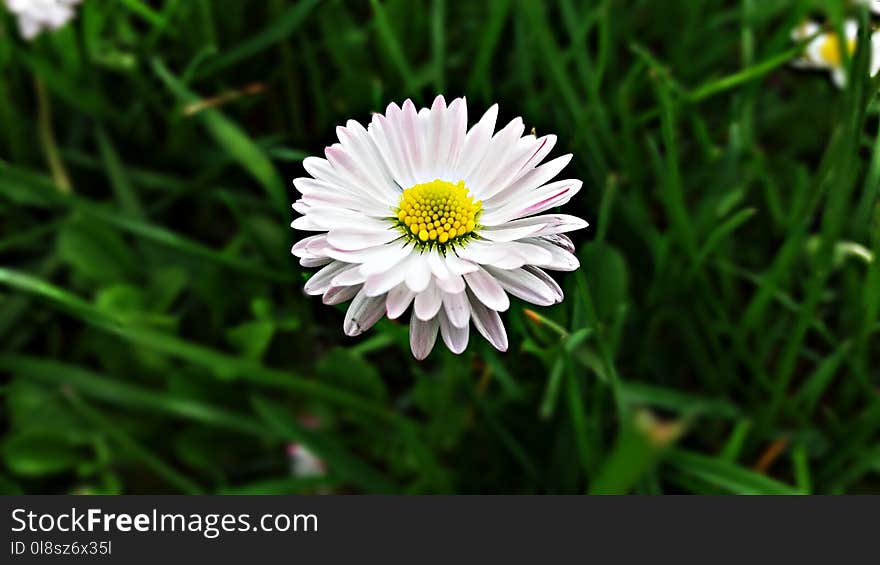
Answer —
47 139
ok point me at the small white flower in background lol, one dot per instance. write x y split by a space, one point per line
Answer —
825 50
35 16
303 463
417 209
874 5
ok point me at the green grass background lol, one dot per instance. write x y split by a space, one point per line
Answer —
720 336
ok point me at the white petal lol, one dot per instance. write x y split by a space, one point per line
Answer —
455 337
428 302
348 168
547 280
349 277
322 193
353 238
519 154
488 323
339 294
496 254
804 30
531 253
550 224
393 128
28 27
543 147
488 290
851 29
390 256
535 178
457 309
357 142
329 218
398 300
458 265
320 281
875 53
422 335
508 232
560 259
476 143
312 262
300 207
559 240
454 133
363 313
334 175
496 158
365 255
304 223
418 276
382 134
454 284
301 247
380 283
524 285
409 127
534 202
435 147
437 264
506 255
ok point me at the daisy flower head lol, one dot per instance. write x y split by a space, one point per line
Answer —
417 209
35 16
825 51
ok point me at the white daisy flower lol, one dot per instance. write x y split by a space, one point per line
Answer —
825 50
417 209
303 462
35 16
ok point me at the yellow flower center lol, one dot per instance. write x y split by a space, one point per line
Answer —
830 50
438 212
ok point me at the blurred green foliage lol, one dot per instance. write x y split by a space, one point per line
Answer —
720 336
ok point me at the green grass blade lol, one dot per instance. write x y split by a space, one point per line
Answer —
223 365
727 476
135 449
233 139
126 395
283 27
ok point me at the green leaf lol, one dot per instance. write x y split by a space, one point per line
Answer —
683 402
233 139
96 253
223 365
640 444
725 475
252 338
125 192
122 394
26 187
35 454
349 371
281 27
606 273
127 304
120 300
